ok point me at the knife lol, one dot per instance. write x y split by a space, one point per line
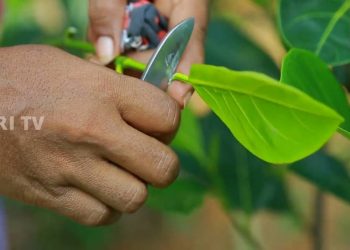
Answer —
163 63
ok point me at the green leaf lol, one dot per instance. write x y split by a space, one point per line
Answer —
325 172
181 197
276 122
307 72
246 182
321 26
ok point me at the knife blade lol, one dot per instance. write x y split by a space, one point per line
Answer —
163 63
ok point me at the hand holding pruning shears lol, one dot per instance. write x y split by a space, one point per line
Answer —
105 135
107 22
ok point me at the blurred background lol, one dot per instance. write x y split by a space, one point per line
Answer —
225 198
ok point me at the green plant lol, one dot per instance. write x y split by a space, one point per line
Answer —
279 119
274 121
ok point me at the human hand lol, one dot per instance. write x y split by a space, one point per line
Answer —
106 21
101 140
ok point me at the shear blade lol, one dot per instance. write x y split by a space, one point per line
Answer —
167 56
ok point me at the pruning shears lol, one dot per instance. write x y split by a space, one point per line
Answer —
144 27
170 46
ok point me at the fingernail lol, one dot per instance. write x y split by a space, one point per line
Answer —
105 49
187 98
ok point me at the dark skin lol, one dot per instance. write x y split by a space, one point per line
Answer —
101 142
105 136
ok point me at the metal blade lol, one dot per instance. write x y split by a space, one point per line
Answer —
165 60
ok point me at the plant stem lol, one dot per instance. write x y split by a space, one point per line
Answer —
318 223
73 44
181 77
133 64
246 234
123 62
245 192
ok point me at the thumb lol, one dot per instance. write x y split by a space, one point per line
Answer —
105 27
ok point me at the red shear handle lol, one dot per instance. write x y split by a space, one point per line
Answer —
144 27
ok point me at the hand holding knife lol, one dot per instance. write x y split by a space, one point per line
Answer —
163 64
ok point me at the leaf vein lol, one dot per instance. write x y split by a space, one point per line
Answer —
264 118
246 117
331 25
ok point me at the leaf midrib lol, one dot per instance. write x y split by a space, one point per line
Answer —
331 25
195 83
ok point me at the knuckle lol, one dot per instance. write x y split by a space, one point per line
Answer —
90 130
84 134
109 85
99 17
172 121
167 169
102 11
136 197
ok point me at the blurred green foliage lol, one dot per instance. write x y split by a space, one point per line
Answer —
321 26
244 55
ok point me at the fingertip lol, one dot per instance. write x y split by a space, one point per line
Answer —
180 92
105 49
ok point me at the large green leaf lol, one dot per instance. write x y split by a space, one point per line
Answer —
307 72
246 183
321 26
276 122
325 172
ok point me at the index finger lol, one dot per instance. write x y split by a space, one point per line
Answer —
142 105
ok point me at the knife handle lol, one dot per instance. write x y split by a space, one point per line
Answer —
144 27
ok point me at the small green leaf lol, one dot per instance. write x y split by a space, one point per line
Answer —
321 26
325 172
307 72
276 122
181 197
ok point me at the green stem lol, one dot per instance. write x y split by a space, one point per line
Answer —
123 62
181 77
69 43
246 234
318 223
133 64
